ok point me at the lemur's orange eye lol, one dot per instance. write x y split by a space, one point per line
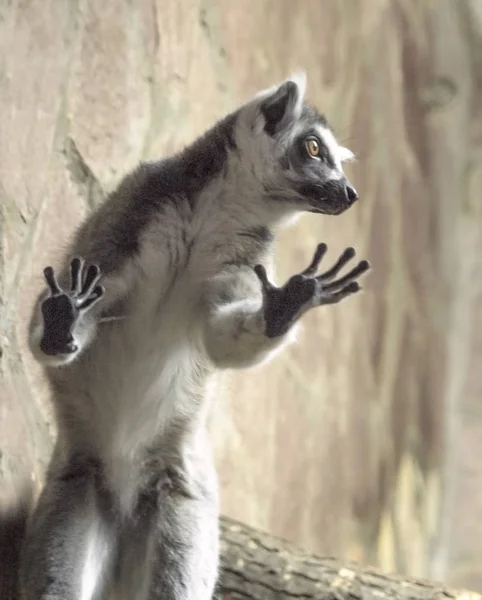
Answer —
313 147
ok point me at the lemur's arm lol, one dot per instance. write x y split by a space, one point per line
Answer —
235 326
249 319
67 313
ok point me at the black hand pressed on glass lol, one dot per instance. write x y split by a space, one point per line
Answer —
62 309
305 290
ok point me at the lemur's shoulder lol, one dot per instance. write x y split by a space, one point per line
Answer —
113 231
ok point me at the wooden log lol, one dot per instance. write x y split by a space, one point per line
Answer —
258 566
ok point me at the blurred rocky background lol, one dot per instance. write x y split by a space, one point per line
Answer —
364 440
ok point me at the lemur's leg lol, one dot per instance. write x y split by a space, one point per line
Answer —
70 539
65 319
171 549
257 321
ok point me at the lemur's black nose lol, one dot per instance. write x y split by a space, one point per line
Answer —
351 194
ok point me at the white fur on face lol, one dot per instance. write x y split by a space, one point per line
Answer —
345 154
338 153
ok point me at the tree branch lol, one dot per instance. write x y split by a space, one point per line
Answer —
258 566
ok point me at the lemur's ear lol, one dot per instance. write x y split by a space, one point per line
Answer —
283 105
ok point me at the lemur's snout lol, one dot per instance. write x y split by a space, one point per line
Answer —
351 194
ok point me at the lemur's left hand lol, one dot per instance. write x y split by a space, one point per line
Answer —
62 308
284 305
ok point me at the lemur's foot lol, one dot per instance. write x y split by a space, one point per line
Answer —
284 305
62 308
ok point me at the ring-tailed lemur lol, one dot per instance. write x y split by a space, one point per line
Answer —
166 282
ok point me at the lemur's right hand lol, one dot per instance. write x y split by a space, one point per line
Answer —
62 309
284 305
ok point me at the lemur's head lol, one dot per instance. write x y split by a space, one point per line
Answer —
293 151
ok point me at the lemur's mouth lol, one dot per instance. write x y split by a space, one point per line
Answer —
341 209
333 198
330 210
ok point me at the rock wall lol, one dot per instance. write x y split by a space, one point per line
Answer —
361 441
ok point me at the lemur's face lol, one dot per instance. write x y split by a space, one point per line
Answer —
306 169
312 165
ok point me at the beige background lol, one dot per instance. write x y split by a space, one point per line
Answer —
362 441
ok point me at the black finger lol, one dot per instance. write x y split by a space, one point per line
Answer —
91 280
262 276
51 280
361 267
94 297
319 254
351 288
70 348
347 255
76 274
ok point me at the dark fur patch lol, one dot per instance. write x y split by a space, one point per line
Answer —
114 231
278 105
311 115
79 466
260 234
225 296
82 468
13 524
